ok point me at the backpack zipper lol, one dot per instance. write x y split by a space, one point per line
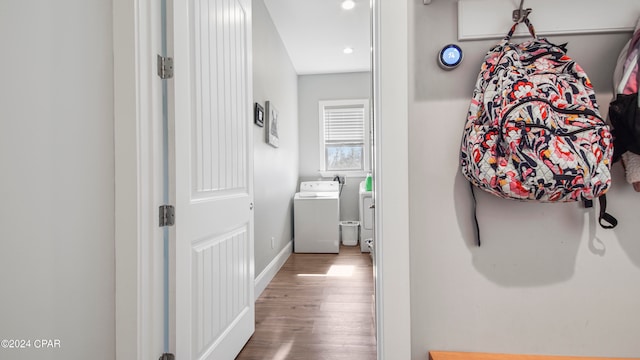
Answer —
523 125
532 59
564 111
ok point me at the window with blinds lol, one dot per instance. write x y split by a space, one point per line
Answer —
344 135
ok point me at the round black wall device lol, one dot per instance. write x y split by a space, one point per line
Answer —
450 57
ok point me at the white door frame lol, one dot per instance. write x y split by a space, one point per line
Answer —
391 105
138 179
138 318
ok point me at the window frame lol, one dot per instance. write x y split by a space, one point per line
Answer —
364 103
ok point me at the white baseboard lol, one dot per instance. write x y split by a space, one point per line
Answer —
272 269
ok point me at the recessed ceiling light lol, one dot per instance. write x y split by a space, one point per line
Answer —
348 4
347 50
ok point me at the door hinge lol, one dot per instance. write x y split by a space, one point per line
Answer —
165 67
167 215
167 356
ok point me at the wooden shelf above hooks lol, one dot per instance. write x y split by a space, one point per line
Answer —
489 19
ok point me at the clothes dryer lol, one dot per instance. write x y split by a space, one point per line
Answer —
366 216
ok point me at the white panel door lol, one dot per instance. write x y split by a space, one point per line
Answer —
214 271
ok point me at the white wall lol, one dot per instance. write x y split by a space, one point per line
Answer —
57 183
311 90
275 169
547 279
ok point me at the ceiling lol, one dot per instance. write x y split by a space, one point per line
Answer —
315 33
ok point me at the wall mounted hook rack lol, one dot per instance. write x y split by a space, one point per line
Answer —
520 14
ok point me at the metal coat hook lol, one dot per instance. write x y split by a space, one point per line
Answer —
520 14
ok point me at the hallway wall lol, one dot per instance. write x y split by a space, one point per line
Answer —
547 279
57 184
275 169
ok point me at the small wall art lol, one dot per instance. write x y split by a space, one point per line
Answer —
258 115
272 136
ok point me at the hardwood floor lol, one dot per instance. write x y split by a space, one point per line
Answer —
318 307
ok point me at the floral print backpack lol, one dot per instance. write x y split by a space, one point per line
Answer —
533 129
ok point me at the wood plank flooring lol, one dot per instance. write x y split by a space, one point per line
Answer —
318 307
447 355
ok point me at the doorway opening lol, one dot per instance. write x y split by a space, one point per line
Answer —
138 273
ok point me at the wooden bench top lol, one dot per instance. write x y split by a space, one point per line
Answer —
448 355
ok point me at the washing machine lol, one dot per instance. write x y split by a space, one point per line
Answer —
366 216
316 217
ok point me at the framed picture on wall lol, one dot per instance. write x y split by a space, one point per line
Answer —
272 136
258 115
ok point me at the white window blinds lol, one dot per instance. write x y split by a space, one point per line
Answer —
344 124
344 131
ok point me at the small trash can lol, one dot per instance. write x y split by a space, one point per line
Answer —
349 232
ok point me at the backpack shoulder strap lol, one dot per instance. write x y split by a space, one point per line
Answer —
606 220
